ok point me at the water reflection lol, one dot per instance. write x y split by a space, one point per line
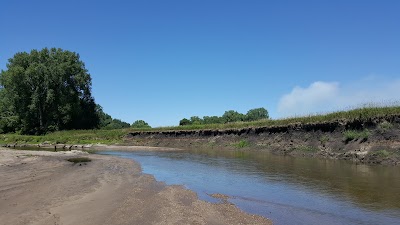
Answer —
375 187
289 190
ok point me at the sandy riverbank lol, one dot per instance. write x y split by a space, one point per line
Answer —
43 188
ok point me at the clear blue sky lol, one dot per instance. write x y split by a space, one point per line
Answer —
161 61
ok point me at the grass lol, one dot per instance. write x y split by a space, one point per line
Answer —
350 135
364 113
242 144
116 136
79 160
324 139
69 137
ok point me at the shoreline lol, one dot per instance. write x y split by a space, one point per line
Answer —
41 187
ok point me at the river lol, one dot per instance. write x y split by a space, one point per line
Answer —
285 189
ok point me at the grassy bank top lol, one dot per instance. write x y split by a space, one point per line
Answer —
115 136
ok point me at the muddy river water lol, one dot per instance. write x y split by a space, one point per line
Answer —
285 189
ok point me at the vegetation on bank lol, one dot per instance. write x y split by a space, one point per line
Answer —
230 116
47 90
115 136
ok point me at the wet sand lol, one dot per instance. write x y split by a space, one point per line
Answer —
43 188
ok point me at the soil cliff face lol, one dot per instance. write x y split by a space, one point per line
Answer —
375 141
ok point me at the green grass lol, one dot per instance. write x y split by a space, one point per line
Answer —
323 139
79 160
69 137
242 144
350 135
116 136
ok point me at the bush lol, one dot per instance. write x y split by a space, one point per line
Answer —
140 124
184 122
242 144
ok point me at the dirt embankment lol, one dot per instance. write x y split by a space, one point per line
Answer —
43 188
374 141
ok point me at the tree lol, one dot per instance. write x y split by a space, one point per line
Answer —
49 90
212 119
257 114
116 124
8 121
232 116
184 122
140 124
195 120
104 118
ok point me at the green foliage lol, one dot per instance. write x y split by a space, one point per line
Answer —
232 116
116 124
212 120
48 90
140 124
8 121
356 135
107 122
116 136
229 116
360 114
79 160
242 144
195 120
257 114
184 122
104 118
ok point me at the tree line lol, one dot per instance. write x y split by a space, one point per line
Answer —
228 117
50 90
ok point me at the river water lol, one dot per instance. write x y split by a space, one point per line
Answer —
285 189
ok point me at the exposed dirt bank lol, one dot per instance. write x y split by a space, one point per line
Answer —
43 188
374 141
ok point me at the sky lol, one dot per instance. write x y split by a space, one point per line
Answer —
161 61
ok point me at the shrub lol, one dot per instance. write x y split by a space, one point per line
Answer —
140 124
242 144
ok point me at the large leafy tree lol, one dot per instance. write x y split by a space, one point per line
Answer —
257 114
49 90
140 124
8 121
107 122
232 116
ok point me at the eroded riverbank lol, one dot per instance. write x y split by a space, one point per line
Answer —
369 141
